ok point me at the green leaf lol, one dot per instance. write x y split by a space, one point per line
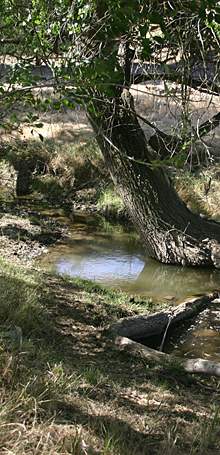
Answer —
167 69
159 39
156 18
143 30
56 105
127 11
13 118
90 108
147 50
202 11
193 6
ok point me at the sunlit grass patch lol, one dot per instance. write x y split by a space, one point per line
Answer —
200 191
109 200
22 299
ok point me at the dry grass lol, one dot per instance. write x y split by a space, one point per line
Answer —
69 390
201 191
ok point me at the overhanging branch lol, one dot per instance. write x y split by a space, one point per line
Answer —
209 125
208 87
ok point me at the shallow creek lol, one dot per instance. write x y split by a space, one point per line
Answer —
113 256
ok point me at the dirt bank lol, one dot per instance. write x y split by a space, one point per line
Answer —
25 233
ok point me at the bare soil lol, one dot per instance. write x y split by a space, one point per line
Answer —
25 234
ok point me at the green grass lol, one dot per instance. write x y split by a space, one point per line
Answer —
109 200
21 297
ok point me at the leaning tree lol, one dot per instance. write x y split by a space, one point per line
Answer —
92 48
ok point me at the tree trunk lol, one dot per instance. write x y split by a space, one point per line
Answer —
170 232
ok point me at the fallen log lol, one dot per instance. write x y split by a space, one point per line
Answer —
145 326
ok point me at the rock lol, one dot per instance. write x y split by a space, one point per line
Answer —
16 334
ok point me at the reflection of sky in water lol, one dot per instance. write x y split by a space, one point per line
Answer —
112 267
115 260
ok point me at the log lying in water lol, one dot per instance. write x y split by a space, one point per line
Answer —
144 326
137 327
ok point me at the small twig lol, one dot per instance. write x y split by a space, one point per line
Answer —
207 186
205 386
165 333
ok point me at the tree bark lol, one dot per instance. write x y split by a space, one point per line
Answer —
170 232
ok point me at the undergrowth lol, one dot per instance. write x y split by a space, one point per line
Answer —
64 172
200 190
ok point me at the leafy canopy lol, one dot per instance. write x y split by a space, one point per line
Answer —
84 42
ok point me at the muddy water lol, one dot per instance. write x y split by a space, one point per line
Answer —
111 255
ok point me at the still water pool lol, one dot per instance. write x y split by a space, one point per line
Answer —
113 256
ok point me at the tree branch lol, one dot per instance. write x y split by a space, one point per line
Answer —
157 323
209 125
209 87
195 366
11 40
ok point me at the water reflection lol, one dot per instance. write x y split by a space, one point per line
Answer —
104 259
117 259
175 282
